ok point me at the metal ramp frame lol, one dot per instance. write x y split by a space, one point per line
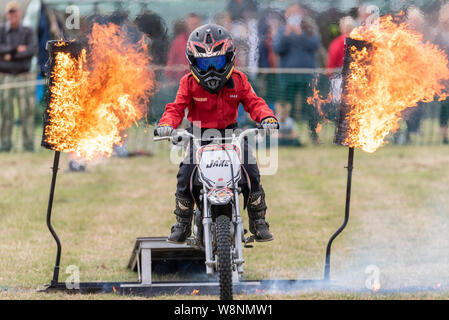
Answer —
156 255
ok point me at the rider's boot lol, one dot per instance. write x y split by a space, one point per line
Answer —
257 209
182 229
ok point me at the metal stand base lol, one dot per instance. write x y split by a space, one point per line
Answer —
153 256
194 288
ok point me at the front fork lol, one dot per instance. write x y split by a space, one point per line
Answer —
207 222
237 253
238 235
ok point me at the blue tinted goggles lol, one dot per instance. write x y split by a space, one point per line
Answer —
217 62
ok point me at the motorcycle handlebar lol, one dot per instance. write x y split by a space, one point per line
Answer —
178 137
161 138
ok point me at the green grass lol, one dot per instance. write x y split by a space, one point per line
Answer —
399 220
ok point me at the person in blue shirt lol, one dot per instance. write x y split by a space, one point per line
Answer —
297 43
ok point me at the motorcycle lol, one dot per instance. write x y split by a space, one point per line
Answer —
218 228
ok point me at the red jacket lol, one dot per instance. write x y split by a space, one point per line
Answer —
336 52
215 110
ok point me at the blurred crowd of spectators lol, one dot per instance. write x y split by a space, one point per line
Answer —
280 50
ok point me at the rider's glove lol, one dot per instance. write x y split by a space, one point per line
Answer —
163 130
270 124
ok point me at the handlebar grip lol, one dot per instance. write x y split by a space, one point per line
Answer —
161 138
259 126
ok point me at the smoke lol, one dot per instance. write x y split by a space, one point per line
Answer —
388 253
403 251
396 240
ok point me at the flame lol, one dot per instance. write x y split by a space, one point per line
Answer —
399 71
376 286
195 292
98 95
319 102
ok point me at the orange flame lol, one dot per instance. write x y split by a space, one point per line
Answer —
318 102
195 292
98 95
376 286
398 72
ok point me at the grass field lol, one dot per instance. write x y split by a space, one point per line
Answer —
399 221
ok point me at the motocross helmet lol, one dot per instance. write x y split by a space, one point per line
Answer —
211 53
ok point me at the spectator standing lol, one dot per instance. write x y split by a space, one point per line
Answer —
337 46
442 39
297 43
413 116
239 31
153 25
18 44
243 14
267 28
176 54
177 64
174 59
364 14
335 58
239 9
224 19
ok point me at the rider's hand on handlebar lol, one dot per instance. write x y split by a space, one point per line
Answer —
163 130
270 124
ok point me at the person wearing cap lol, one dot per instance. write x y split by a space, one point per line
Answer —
18 44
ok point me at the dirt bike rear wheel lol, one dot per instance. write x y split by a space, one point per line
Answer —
224 256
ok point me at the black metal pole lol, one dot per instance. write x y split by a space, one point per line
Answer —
345 222
50 227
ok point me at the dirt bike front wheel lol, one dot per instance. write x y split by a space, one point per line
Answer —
223 232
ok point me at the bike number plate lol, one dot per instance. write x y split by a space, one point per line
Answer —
215 165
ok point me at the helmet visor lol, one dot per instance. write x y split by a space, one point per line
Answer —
217 62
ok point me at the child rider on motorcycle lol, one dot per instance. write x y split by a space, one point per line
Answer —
212 92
